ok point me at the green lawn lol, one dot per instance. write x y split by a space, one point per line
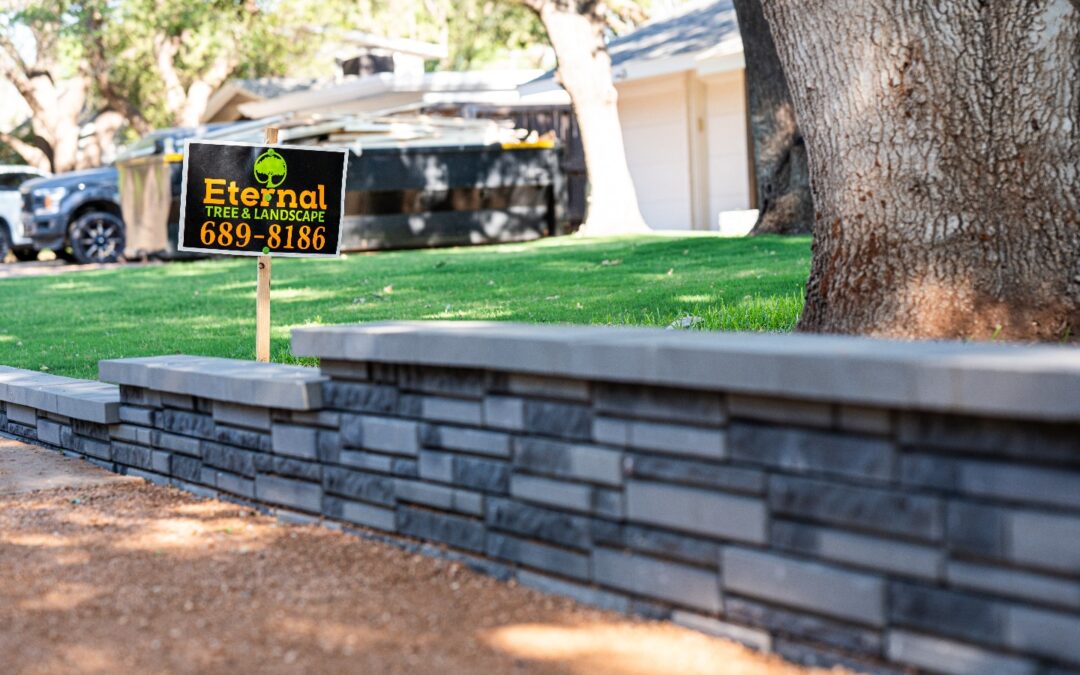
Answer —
65 324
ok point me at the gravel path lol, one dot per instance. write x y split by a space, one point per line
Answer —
124 576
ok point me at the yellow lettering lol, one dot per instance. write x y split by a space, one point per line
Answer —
266 194
322 196
281 198
211 195
308 200
250 196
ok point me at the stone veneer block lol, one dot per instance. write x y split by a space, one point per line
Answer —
698 511
684 585
954 658
808 585
232 380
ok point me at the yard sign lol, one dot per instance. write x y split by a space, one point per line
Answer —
262 200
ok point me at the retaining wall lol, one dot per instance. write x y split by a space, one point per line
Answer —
882 505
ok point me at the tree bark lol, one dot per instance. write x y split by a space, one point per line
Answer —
779 154
585 72
943 138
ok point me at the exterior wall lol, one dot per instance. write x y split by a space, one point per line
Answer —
881 527
729 166
654 123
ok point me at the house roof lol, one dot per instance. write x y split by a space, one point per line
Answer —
675 43
222 106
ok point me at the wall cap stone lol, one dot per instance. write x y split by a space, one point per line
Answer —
1010 380
272 385
78 399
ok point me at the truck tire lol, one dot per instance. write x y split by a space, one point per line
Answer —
96 237
5 242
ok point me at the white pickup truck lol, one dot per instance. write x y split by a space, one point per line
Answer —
12 238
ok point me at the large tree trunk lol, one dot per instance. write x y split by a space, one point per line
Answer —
943 138
783 178
585 73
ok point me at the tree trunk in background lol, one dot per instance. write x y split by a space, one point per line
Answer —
585 73
943 138
779 154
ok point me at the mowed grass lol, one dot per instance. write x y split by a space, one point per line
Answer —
65 324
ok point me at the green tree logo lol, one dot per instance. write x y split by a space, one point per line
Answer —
270 169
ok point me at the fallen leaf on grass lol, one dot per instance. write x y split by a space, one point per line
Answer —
611 263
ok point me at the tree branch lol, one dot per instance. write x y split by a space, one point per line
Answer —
30 154
15 69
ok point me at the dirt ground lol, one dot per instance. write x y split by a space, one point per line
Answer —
112 575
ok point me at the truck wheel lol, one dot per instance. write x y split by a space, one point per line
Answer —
5 243
97 237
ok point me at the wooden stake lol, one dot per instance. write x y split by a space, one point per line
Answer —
262 293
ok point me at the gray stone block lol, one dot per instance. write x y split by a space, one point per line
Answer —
436 466
692 472
1007 482
565 460
611 431
661 543
139 396
504 412
287 466
456 410
91 429
208 476
681 584
537 523
562 420
755 639
801 625
328 446
540 556
21 430
160 461
436 380
22 414
356 485
608 503
801 451
287 492
482 474
134 415
1014 583
540 386
368 461
329 419
885 555
375 517
395 436
182 444
477 441
994 436
584 594
185 468
148 476
677 439
251 417
697 511
243 438
132 455
185 423
440 497
406 468
180 401
48 432
366 398
91 447
832 591
824 659
946 613
661 404
295 441
235 485
953 658
1031 538
1045 633
349 370
447 529
781 410
228 458
554 493
865 420
885 511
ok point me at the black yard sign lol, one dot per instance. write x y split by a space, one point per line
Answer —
243 199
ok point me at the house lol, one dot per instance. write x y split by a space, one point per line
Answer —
682 105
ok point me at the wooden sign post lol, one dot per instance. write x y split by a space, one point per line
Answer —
262 200
262 290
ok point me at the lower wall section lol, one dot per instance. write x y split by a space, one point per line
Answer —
831 534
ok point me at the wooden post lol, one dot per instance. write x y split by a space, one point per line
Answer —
262 293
